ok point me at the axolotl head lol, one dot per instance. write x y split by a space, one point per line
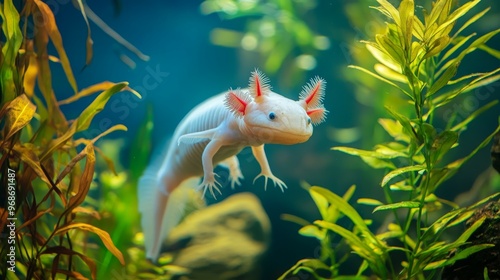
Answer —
272 118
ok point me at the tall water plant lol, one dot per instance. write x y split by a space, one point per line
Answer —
418 55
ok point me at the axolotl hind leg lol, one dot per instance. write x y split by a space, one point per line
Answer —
235 174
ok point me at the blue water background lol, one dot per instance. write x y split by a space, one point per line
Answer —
176 37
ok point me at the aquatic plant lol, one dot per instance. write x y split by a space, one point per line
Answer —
47 161
418 55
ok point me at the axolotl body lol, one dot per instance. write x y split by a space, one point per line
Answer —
214 132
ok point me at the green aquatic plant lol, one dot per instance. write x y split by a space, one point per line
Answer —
418 55
47 162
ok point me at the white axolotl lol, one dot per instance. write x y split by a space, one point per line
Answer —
214 132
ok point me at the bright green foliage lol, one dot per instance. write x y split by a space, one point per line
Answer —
419 56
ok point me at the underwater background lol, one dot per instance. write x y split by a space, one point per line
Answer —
195 53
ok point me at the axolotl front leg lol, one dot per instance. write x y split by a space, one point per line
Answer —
260 156
207 156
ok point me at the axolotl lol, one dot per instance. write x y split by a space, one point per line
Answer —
214 132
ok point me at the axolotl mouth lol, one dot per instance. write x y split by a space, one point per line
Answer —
278 136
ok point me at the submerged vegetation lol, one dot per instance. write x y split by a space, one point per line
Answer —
47 161
76 207
418 56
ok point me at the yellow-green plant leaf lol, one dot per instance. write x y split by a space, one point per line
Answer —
404 121
437 46
382 56
389 10
388 73
397 205
364 153
471 21
459 43
103 235
321 203
312 231
102 86
459 12
443 79
58 142
381 78
401 186
463 254
478 42
342 205
395 129
294 219
369 201
399 171
406 13
20 111
49 23
442 144
10 48
418 28
354 241
393 50
491 51
85 118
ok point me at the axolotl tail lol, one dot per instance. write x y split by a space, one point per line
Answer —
160 211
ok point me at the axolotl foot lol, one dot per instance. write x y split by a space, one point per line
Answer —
276 181
211 184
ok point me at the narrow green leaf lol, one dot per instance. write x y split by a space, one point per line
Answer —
491 51
321 203
460 42
381 78
312 231
471 21
342 205
10 47
354 241
369 201
399 171
389 10
442 144
404 121
443 79
395 129
83 121
397 205
406 13
462 10
390 74
364 153
479 41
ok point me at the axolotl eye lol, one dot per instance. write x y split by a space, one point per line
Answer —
272 116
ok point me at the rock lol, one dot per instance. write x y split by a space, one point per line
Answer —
473 266
223 241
